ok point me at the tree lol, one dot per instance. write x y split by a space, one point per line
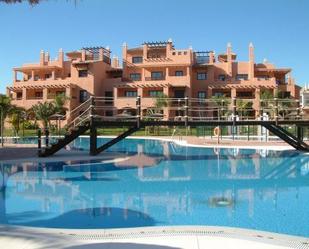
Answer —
243 107
43 112
221 103
59 102
17 115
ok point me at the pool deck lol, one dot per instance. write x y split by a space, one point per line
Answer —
29 151
187 237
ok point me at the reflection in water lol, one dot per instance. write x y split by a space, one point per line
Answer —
160 183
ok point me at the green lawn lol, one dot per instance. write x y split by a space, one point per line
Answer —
158 131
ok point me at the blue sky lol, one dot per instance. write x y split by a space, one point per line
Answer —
279 29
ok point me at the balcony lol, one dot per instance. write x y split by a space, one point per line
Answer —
155 78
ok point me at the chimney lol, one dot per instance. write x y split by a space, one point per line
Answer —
60 57
124 50
211 57
169 47
42 58
229 59
101 54
124 58
83 54
251 62
47 57
115 62
145 48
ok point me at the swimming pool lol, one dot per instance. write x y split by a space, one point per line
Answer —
158 183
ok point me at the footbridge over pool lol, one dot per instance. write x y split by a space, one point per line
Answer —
95 113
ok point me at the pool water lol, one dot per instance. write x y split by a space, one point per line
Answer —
158 183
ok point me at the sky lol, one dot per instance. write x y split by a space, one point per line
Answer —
279 29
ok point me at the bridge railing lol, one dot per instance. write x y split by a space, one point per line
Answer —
163 108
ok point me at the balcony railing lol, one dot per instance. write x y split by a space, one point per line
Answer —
155 78
33 97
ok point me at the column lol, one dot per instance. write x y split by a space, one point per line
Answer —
32 75
24 94
165 109
167 73
209 93
140 91
45 94
257 102
53 75
233 93
68 94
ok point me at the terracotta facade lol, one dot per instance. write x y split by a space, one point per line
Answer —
149 70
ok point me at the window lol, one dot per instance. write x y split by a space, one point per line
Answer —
137 59
201 95
109 97
47 76
155 93
244 94
69 75
202 76
135 76
179 73
174 53
38 95
82 73
83 96
19 95
221 77
185 53
109 113
283 95
36 77
179 93
242 77
130 94
156 75
202 59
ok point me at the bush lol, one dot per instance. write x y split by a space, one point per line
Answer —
29 125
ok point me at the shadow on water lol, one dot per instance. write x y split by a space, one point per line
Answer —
105 217
120 245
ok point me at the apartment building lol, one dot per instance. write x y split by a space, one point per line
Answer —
150 70
84 73
157 68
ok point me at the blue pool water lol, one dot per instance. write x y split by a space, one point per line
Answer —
156 183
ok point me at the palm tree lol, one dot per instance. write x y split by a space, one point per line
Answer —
222 103
243 107
5 108
43 112
17 115
59 102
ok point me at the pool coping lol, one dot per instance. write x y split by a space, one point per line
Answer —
121 234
